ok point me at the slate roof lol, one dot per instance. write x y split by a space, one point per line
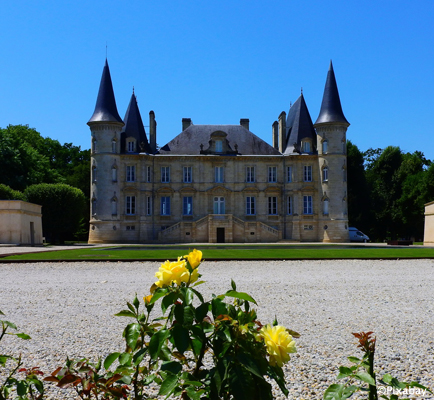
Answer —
105 108
134 127
331 109
298 126
190 140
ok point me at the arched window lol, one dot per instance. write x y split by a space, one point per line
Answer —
93 206
325 174
114 207
326 206
325 146
114 174
114 146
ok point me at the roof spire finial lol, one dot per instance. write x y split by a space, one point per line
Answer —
290 104
302 90
133 89
106 50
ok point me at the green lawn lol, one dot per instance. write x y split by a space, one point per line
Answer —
234 252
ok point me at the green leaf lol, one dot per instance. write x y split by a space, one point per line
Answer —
138 357
248 363
125 313
344 372
132 333
240 295
158 294
201 311
110 359
339 392
193 394
168 385
181 337
218 307
354 360
157 341
188 295
23 336
131 307
125 359
10 324
168 301
233 285
365 377
189 315
198 294
21 388
136 302
171 366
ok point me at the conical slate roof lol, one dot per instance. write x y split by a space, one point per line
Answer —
105 108
298 126
134 126
331 109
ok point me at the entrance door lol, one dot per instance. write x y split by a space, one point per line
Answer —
220 235
32 233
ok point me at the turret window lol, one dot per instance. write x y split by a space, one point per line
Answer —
94 174
325 174
113 146
325 145
114 174
326 207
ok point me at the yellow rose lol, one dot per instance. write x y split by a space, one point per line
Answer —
279 344
164 275
194 258
147 299
180 271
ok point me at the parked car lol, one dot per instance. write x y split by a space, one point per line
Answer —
357 236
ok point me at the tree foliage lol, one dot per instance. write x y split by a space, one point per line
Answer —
387 191
7 193
62 209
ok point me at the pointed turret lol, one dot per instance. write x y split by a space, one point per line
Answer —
331 109
299 127
105 108
134 127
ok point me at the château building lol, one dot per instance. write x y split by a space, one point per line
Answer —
218 183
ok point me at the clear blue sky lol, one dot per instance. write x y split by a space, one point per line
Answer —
218 61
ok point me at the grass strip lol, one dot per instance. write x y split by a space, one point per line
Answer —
242 252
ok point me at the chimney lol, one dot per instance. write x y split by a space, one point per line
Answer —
186 122
245 123
152 131
276 135
282 131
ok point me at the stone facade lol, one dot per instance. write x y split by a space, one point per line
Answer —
218 183
428 236
20 223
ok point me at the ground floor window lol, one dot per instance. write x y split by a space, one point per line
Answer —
148 205
307 205
165 205
130 206
289 205
187 205
250 205
272 205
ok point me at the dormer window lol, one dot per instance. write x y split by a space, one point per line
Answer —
131 146
218 146
306 147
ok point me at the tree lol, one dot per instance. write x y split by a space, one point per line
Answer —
358 194
7 193
62 209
